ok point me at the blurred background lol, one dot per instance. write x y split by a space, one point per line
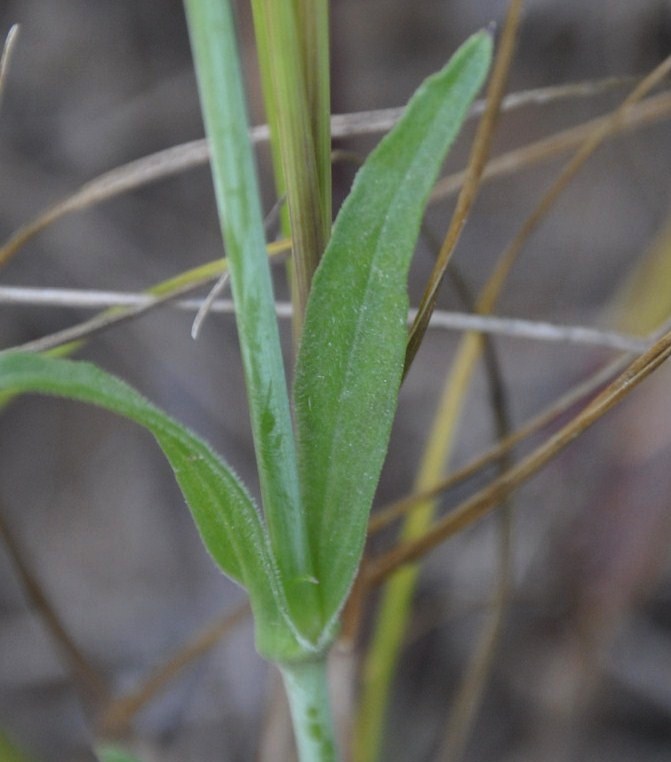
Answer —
583 669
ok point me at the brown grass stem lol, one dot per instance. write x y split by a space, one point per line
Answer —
109 318
85 677
486 499
468 698
476 164
647 112
119 712
394 511
172 161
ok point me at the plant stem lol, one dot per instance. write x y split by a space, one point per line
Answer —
214 46
307 689
313 31
292 39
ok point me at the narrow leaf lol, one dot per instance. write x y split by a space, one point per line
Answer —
223 511
349 366
225 115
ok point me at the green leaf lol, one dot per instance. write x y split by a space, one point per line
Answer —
351 358
224 111
227 520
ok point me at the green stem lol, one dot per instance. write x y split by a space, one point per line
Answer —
307 689
214 46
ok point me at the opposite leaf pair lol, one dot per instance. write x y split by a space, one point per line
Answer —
347 378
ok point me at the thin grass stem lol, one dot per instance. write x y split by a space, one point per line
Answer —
120 711
469 190
486 499
395 606
385 515
85 677
173 161
514 328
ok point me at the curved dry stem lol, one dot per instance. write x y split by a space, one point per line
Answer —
86 678
516 328
489 497
645 113
120 712
172 161
468 699
113 183
476 165
206 305
156 296
386 515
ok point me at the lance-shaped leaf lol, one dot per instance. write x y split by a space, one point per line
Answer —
351 357
227 520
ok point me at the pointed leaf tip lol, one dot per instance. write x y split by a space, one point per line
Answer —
351 357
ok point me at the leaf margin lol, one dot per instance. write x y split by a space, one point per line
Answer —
235 536
322 391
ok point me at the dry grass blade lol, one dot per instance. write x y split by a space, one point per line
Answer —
440 319
495 283
468 699
108 319
386 515
120 712
488 498
85 677
206 305
381 120
177 159
120 180
647 112
476 165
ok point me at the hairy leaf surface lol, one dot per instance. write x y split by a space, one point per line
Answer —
351 357
225 115
227 520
